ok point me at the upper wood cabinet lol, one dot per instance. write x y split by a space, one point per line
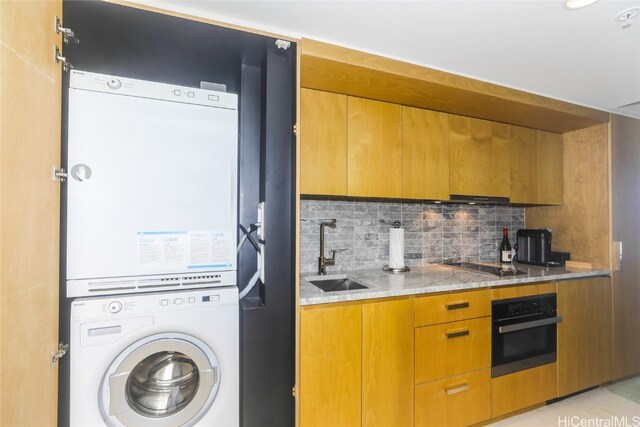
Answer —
536 167
550 168
323 143
425 154
479 157
523 147
358 147
584 336
374 148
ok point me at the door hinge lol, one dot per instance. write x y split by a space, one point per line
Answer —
68 36
57 355
59 175
283 44
295 129
66 65
293 391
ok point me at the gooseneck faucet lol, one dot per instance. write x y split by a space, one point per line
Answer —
322 261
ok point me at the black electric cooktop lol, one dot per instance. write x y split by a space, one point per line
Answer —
486 269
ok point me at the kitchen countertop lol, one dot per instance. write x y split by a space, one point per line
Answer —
431 278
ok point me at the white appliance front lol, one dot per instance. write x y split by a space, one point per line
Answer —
152 186
157 359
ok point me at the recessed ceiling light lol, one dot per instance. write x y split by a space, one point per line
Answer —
578 4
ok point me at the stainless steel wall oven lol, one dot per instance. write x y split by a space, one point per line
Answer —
523 333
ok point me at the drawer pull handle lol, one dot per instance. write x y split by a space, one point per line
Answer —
456 389
457 305
456 334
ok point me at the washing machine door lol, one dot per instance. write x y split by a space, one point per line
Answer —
164 380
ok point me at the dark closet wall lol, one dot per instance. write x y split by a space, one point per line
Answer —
138 44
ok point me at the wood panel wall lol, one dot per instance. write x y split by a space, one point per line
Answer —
581 224
625 165
30 83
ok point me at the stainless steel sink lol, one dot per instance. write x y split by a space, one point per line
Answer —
334 285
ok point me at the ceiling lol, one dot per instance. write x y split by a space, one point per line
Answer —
582 56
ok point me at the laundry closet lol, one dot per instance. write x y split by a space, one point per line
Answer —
177 222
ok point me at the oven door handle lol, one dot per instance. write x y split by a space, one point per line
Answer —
529 325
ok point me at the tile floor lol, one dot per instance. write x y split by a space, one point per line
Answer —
595 408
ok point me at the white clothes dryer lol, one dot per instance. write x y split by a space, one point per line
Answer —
159 359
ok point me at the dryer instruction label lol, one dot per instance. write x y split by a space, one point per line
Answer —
160 251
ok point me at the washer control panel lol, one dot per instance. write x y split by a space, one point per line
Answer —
126 305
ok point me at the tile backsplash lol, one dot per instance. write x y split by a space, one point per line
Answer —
433 232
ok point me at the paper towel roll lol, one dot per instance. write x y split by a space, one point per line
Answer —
396 248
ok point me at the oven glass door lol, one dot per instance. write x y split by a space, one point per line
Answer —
514 350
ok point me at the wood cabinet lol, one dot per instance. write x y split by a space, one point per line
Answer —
479 157
359 147
522 389
387 363
374 148
453 306
536 167
523 147
550 168
425 154
453 359
357 364
457 401
452 348
323 143
585 334
330 366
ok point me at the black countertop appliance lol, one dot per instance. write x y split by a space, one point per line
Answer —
534 246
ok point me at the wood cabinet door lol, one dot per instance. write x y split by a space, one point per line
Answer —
479 157
425 154
323 143
30 88
550 168
523 147
330 366
387 364
374 148
585 334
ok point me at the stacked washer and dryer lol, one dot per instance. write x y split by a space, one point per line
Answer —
151 240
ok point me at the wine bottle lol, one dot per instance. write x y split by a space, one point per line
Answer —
505 247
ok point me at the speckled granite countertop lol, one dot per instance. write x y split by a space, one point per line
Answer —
427 279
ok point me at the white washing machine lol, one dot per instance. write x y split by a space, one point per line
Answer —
157 359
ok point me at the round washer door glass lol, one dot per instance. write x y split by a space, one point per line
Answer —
165 380
162 384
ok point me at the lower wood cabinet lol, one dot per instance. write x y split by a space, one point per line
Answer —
357 365
452 348
585 334
426 361
330 366
456 401
522 389
387 363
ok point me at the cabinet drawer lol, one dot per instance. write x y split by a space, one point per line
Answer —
451 307
522 389
457 401
452 348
